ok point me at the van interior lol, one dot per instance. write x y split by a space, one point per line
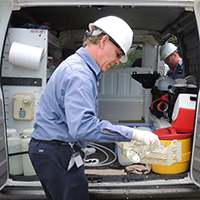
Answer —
125 93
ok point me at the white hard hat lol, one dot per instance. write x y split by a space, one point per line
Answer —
166 50
118 30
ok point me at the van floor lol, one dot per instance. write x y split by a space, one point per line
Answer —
130 177
100 175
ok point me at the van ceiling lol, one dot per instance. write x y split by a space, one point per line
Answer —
72 18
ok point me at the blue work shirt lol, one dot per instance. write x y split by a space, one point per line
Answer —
67 110
178 73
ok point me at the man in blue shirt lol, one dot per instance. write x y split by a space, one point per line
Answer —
169 54
66 117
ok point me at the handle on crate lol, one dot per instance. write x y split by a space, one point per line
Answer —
174 142
177 150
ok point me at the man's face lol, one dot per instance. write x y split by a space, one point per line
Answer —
170 61
111 56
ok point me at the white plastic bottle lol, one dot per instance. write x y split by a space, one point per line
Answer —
28 169
14 146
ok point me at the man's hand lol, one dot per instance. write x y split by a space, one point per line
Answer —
150 139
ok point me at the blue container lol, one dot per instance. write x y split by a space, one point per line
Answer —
136 125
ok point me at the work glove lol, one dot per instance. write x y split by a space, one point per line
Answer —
147 137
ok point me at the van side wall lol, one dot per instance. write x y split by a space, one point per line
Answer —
186 30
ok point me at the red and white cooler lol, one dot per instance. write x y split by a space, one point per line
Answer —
184 113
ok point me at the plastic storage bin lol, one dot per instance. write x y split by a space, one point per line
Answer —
143 126
119 150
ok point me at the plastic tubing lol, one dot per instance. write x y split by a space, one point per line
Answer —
103 163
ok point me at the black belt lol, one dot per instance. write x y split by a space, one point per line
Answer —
51 141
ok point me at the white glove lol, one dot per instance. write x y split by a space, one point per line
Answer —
150 139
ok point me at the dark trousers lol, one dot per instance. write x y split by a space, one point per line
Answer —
50 162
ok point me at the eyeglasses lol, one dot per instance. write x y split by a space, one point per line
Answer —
120 54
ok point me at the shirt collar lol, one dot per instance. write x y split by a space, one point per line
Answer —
85 55
180 62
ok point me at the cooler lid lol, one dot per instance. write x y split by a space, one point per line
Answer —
170 133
